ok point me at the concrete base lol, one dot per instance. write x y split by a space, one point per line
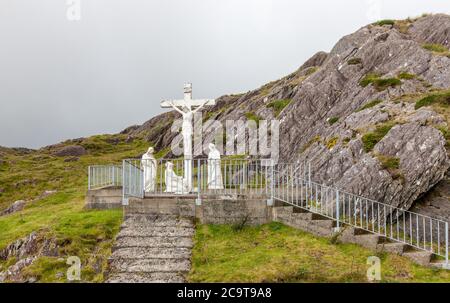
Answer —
104 198
212 210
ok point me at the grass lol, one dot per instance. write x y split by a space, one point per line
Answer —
372 138
333 120
310 142
437 49
385 22
392 165
369 105
388 162
406 76
332 142
277 253
253 117
279 105
354 61
380 84
441 98
78 232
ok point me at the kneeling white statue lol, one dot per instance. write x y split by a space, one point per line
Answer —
174 183
214 169
150 166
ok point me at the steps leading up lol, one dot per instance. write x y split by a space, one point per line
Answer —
152 248
322 226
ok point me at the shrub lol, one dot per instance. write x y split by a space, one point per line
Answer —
441 98
333 120
406 76
370 105
372 138
438 48
379 83
354 61
385 22
278 105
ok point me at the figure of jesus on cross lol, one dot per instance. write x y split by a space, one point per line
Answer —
187 108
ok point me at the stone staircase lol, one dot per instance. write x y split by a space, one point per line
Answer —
152 248
324 227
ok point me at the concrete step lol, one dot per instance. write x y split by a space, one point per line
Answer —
151 253
156 277
302 216
152 231
143 221
420 257
283 209
123 265
395 248
368 240
139 241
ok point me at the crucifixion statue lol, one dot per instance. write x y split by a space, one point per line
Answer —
187 108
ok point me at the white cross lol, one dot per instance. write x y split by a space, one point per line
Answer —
187 101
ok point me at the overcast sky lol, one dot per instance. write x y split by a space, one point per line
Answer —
62 79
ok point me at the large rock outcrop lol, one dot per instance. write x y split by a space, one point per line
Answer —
331 109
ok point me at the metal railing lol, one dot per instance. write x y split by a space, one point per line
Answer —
285 182
396 224
197 177
100 176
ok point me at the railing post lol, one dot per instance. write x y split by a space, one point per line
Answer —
199 183
446 265
337 211
89 178
272 183
113 170
124 185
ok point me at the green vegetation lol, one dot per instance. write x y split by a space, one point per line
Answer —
372 138
253 117
354 61
311 70
380 84
441 98
278 105
87 234
406 76
277 253
438 49
385 22
333 120
310 142
388 162
370 105
332 142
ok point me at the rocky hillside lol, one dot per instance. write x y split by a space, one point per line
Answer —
372 115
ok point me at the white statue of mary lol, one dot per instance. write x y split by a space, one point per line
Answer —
174 183
214 170
149 165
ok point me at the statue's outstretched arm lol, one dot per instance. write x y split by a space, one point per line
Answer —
177 109
198 108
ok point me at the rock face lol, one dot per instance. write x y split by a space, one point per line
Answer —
71 150
16 206
26 250
325 121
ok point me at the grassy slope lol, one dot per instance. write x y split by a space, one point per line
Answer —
277 253
84 233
